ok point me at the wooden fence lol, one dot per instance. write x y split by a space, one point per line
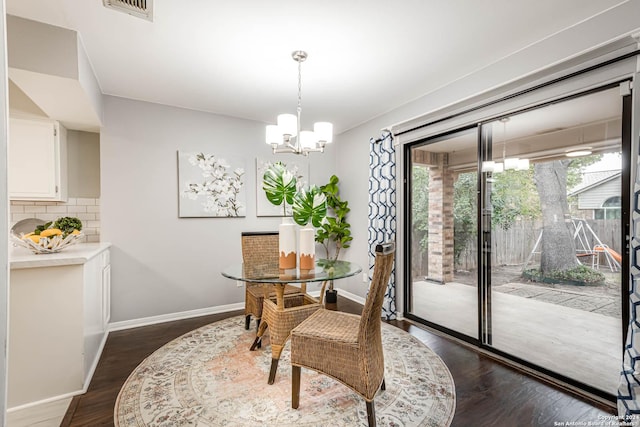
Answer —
513 246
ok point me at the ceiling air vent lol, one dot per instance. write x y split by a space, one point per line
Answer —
140 8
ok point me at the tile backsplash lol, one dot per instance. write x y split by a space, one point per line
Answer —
85 209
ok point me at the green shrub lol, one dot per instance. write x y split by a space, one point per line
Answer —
580 273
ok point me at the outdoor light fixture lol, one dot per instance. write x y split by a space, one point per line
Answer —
287 137
579 152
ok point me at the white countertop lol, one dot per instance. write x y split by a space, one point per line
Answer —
79 253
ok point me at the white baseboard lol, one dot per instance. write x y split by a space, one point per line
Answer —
146 321
349 295
43 414
152 320
43 402
361 300
39 405
94 364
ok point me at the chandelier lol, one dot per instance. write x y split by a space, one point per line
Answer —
287 136
507 162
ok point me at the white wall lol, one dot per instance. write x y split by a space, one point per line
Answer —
162 264
4 234
42 48
83 164
353 160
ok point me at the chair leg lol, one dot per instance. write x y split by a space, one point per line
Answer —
295 386
274 369
257 343
247 321
257 324
383 386
371 414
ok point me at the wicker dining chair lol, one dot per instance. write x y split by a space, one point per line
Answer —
345 346
260 254
281 318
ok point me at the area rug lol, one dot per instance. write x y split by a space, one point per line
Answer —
208 377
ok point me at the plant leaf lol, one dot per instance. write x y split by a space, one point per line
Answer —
309 205
279 184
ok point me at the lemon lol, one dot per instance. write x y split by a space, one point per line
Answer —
51 232
34 238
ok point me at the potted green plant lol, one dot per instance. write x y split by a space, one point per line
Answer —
309 206
279 186
334 232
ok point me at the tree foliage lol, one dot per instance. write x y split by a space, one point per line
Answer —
465 202
514 197
419 205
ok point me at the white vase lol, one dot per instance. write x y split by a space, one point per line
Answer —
287 244
307 249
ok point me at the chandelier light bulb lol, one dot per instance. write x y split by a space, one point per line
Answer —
307 139
288 124
488 166
511 163
273 135
323 131
523 165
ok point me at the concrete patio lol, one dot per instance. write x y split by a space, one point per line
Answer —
576 335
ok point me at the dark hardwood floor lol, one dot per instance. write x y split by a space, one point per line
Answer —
488 393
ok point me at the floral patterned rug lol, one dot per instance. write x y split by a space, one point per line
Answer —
208 377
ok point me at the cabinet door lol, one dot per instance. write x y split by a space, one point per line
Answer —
106 295
34 160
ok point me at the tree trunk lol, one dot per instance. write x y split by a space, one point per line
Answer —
558 246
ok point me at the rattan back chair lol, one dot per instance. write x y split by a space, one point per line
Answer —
260 253
345 346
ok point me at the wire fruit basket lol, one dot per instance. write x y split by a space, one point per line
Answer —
47 245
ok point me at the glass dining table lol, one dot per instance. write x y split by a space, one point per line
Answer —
281 314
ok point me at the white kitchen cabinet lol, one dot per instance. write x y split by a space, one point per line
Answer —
57 322
96 297
37 165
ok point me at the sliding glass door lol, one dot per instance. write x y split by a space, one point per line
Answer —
443 231
517 236
556 242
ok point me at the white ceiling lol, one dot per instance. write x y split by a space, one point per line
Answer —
365 57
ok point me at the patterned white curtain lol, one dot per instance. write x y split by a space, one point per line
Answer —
382 209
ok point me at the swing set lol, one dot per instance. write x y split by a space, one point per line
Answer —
581 233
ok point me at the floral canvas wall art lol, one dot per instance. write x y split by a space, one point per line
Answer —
209 186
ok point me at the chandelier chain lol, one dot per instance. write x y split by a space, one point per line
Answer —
299 87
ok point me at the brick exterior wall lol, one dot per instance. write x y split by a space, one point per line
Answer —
440 238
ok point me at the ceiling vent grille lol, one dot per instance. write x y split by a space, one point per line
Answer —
140 8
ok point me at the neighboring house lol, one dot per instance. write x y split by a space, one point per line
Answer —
597 196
